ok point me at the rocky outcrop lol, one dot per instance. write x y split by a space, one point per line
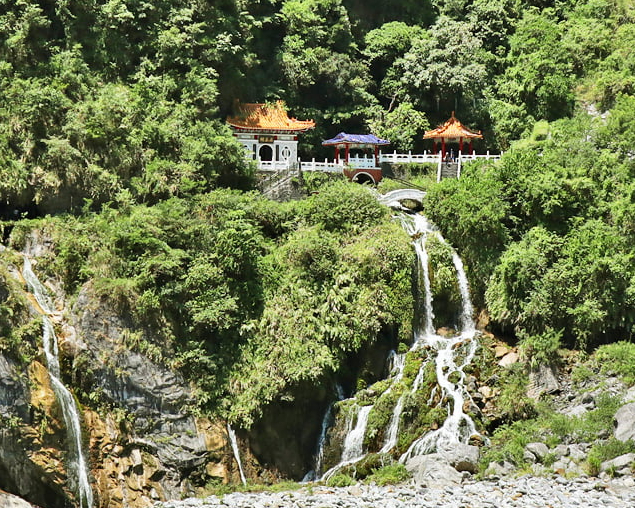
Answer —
433 471
149 447
10 501
625 422
30 455
542 379
142 441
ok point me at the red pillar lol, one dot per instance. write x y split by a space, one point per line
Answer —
460 146
376 156
346 152
337 154
443 147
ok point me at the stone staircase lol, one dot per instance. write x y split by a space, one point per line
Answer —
449 170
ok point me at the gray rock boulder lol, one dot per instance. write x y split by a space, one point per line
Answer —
433 471
625 422
618 463
13 390
500 468
462 457
542 379
10 501
540 450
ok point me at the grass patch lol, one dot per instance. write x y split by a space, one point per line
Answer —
389 475
341 480
617 359
608 450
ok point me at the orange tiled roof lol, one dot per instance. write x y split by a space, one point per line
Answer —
452 128
268 116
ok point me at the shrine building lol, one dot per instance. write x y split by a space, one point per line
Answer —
268 134
452 131
364 169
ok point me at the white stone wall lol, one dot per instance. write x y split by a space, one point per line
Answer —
283 147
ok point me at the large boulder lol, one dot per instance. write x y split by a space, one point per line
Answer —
618 463
433 471
539 450
10 501
462 457
625 422
542 379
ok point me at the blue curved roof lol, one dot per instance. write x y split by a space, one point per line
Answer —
355 139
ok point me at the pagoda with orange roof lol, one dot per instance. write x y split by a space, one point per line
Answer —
268 134
452 131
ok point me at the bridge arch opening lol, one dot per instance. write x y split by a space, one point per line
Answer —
364 178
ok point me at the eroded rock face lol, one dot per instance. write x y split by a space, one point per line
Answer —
30 459
282 445
10 501
150 448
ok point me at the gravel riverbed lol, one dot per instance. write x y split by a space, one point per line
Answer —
524 492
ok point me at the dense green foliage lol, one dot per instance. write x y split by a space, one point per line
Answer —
251 296
116 99
112 117
556 256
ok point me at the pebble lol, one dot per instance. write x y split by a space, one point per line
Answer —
524 492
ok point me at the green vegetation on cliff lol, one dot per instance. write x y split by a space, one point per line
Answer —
112 122
247 297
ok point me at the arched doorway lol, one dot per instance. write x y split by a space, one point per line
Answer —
364 178
265 153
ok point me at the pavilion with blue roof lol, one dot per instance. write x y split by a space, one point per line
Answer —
355 141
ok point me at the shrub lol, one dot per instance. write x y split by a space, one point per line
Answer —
340 480
619 359
389 475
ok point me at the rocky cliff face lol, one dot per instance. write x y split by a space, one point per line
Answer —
148 447
143 442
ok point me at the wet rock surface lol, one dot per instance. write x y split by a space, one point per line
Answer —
525 492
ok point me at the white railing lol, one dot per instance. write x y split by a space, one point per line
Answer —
473 156
273 165
408 158
326 166
368 162
362 162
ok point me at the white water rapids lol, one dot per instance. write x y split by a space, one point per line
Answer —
78 464
451 355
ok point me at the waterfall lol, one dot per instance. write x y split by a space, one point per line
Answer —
418 227
458 426
326 423
70 412
353 442
234 443
393 427
451 356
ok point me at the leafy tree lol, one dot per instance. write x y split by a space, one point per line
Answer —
447 66
400 126
540 73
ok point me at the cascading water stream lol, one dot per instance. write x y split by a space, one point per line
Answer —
458 426
452 355
236 451
327 421
78 464
353 443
